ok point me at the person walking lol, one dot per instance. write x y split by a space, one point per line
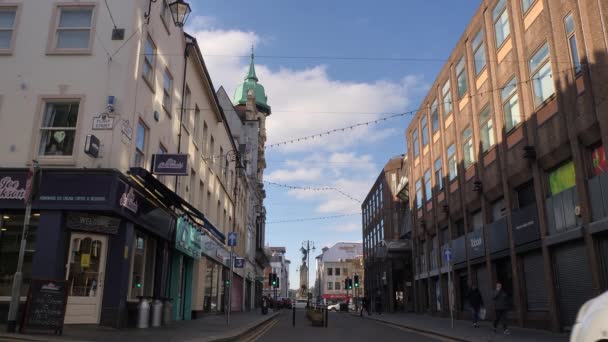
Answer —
364 306
501 305
476 302
264 305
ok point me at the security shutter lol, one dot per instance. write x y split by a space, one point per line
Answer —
573 278
534 278
484 286
603 252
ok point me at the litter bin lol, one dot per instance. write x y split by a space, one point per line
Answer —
143 312
167 311
157 312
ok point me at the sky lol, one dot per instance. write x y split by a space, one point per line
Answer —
311 91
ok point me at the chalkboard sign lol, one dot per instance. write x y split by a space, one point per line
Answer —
45 307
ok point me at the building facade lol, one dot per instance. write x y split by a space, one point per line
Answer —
386 229
507 163
335 264
98 104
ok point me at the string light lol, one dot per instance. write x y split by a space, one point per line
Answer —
311 188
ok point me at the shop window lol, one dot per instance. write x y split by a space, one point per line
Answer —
58 128
213 283
11 227
562 178
143 256
598 183
563 200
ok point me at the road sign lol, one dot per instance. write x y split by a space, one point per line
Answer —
447 253
239 262
232 239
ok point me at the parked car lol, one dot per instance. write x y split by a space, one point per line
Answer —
591 323
284 303
301 303
333 307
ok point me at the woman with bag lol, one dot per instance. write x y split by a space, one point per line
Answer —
476 302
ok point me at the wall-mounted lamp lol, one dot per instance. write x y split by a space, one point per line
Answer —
180 10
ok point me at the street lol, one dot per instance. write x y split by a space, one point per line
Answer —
341 327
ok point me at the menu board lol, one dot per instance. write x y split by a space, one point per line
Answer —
45 307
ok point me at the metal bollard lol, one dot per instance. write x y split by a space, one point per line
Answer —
157 312
167 311
293 323
143 312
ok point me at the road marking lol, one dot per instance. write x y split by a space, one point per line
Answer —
413 331
258 333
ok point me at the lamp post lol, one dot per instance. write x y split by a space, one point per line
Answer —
306 247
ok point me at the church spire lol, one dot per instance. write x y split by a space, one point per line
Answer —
251 74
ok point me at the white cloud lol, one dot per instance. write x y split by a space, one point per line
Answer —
346 228
294 175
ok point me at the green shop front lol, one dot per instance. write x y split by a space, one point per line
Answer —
188 237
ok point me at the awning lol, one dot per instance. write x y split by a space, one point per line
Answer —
171 199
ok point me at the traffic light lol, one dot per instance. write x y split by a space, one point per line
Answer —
356 280
277 283
227 282
350 284
273 280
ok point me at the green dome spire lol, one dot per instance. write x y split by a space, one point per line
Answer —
251 83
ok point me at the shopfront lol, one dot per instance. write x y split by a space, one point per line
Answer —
97 229
216 274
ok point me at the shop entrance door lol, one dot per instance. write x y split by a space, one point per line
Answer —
181 283
85 273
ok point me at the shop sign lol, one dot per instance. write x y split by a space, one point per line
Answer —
103 122
91 145
11 188
126 129
128 200
75 188
476 246
188 238
92 223
525 225
170 164
239 262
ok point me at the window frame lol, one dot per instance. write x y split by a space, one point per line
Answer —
149 79
415 143
452 157
143 152
467 142
428 185
445 93
483 122
463 73
570 37
533 72
424 129
438 172
17 8
435 124
419 201
476 47
168 93
524 9
507 100
496 18
52 40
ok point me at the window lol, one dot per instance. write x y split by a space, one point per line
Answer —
330 285
192 187
598 160
201 195
149 62
576 62
418 194
501 22
8 16
330 271
486 128
140 144
542 76
167 90
142 266
562 178
452 163
461 77
510 105
435 117
439 174
187 109
73 29
58 128
212 150
428 190
446 93
205 133
337 271
222 159
11 225
337 286
197 124
415 144
425 130
479 52
467 147
526 4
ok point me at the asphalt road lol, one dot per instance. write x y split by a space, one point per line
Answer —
341 327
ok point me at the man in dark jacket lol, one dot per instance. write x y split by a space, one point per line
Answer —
502 305
476 302
364 306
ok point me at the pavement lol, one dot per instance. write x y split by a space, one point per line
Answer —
463 330
341 327
209 328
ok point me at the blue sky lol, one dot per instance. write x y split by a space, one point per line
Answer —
312 95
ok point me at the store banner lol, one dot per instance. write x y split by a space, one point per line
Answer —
525 225
188 238
12 186
215 250
170 164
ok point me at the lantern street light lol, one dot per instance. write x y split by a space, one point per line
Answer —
180 10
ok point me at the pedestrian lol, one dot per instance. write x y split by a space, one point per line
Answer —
476 302
264 305
501 305
364 306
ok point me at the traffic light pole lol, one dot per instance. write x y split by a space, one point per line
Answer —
229 287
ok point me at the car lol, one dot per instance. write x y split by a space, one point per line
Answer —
333 307
591 323
301 303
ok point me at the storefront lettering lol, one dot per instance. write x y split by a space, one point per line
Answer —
127 200
524 225
476 242
9 189
171 164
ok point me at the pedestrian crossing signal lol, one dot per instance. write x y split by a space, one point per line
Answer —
356 281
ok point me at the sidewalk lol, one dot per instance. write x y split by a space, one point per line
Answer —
210 328
463 330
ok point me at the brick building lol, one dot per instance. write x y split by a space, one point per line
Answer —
507 163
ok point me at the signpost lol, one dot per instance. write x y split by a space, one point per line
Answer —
231 244
448 257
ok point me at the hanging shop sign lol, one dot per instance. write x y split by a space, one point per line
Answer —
188 238
128 200
239 262
92 223
103 122
476 245
91 146
12 187
170 164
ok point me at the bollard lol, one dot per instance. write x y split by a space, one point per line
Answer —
167 311
143 312
326 316
293 323
157 312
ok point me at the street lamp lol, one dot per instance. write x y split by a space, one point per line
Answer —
180 10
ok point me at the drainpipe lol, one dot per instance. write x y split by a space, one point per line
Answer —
181 114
